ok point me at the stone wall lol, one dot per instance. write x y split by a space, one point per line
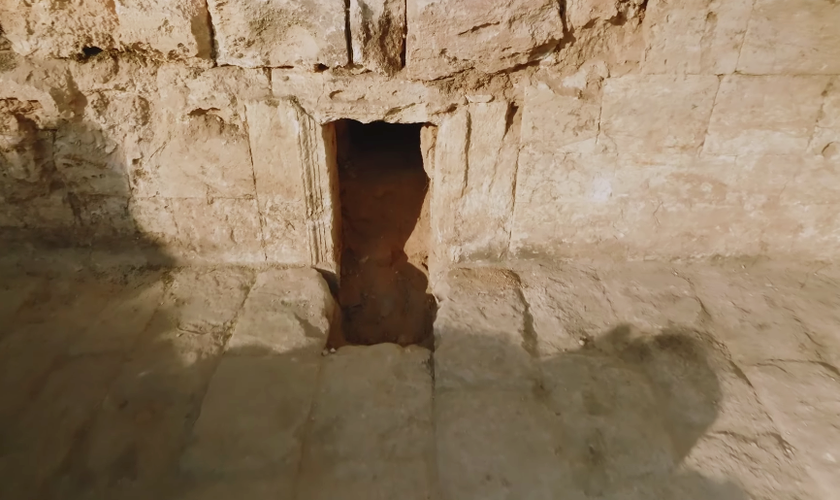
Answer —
620 128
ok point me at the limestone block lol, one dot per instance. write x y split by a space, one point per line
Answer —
47 83
764 466
747 317
26 151
482 317
89 161
204 301
826 138
557 123
802 399
288 311
447 37
48 213
481 456
219 230
286 234
657 114
371 433
765 114
294 166
200 156
103 218
55 28
652 298
154 394
792 37
567 305
472 194
252 422
154 220
367 97
276 33
607 406
175 28
115 330
694 37
377 31
223 90
46 431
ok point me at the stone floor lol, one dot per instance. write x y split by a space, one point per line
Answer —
712 380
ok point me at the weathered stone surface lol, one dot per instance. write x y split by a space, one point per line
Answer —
482 338
792 37
444 39
175 28
371 433
377 30
694 37
57 28
803 400
751 324
201 156
472 194
294 166
826 139
279 33
115 330
582 14
207 300
567 305
764 466
478 456
35 447
142 421
217 230
652 298
286 312
555 123
636 110
764 114
252 421
367 97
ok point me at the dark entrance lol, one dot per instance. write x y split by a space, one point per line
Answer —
383 290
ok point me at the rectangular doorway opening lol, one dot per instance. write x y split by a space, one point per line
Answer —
385 234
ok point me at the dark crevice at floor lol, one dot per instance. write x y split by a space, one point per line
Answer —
383 292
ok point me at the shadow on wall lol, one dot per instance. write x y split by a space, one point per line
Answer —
102 387
64 180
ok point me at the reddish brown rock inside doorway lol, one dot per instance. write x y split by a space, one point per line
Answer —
383 292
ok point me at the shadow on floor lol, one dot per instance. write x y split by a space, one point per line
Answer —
104 378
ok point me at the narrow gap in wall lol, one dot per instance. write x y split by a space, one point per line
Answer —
385 232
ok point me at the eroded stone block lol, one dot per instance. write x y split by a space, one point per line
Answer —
826 139
557 123
792 37
694 37
226 230
294 168
765 114
447 37
802 399
276 33
200 156
288 311
482 317
657 114
377 30
371 434
175 28
55 28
